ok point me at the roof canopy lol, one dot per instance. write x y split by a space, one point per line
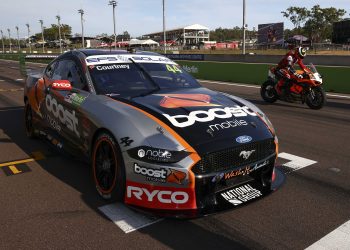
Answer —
194 27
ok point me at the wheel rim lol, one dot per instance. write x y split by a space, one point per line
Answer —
315 97
105 165
29 119
269 91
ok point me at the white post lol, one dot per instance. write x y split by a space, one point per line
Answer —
9 31
164 32
244 26
59 31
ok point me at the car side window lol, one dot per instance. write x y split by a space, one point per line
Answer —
61 72
75 76
50 68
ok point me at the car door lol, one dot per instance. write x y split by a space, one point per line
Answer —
63 106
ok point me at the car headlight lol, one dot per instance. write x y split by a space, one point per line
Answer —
258 111
157 155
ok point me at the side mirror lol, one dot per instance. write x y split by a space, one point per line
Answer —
61 85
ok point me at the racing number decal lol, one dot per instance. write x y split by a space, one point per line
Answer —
173 68
126 141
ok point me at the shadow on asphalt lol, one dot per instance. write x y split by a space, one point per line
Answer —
173 233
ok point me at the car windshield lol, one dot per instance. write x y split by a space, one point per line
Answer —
133 79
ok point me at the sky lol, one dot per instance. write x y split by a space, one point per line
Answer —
140 17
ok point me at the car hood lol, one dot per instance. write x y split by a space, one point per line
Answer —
207 120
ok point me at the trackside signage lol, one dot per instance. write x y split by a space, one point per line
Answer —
151 196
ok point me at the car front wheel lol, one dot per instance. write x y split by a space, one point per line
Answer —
108 168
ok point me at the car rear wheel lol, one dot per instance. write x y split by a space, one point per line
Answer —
108 168
28 119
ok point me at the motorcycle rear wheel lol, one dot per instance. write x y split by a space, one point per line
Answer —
268 92
316 98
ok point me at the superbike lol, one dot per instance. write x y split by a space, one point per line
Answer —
307 89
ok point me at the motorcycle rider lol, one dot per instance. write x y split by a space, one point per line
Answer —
285 71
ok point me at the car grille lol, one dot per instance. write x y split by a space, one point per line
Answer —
230 158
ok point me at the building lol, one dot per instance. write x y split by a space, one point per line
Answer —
341 32
189 35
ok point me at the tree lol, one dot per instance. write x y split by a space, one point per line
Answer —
319 26
297 15
51 33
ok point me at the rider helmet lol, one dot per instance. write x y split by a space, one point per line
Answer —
301 52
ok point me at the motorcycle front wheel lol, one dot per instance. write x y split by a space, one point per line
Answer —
316 98
268 92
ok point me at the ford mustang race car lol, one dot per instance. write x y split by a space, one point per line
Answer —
154 137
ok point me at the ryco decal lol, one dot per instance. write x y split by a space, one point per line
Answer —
65 116
161 197
182 121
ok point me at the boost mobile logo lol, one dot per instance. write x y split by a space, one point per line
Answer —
65 116
183 121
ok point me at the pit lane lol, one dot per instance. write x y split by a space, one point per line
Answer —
54 205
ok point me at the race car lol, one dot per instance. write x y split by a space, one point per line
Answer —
154 137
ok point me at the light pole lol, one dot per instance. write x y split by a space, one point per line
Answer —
244 26
9 31
164 33
114 4
42 34
81 11
19 47
59 31
2 38
30 47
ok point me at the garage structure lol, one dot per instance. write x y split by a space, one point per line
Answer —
189 35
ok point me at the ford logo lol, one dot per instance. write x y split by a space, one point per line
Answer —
243 139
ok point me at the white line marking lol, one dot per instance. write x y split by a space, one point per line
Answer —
295 162
2 80
234 84
127 219
258 87
18 80
337 239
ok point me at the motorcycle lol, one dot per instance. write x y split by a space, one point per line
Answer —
305 90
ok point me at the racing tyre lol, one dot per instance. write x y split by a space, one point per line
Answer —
108 169
316 98
268 92
28 120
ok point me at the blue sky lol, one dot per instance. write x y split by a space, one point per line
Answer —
145 16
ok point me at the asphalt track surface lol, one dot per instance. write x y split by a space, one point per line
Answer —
51 203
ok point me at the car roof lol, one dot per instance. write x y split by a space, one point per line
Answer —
93 52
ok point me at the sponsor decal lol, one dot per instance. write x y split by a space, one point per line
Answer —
191 69
74 98
234 173
239 172
239 195
154 154
65 116
257 166
182 121
62 85
227 124
246 154
110 59
185 100
114 66
126 141
151 174
53 123
159 197
244 139
162 175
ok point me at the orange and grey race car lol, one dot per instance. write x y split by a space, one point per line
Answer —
155 138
